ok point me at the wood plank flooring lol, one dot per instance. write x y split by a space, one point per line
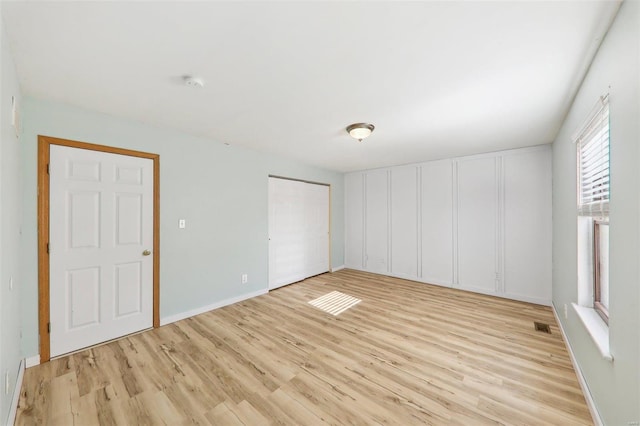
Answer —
409 353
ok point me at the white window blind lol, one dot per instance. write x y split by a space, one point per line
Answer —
593 162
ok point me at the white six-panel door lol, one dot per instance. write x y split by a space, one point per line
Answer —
298 231
101 237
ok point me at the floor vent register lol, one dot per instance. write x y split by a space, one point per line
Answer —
539 326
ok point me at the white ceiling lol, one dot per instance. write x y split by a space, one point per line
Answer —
438 79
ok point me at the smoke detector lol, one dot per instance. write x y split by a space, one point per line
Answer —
193 81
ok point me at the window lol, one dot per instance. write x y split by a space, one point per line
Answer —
593 164
601 269
593 203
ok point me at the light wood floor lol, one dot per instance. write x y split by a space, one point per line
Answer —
409 353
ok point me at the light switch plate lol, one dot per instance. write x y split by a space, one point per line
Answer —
182 224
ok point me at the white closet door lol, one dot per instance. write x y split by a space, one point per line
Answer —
477 209
286 232
298 231
527 238
317 229
437 222
404 221
377 222
354 220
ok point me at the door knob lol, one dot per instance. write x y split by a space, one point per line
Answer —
146 253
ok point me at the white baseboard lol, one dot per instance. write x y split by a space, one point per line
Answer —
478 290
337 268
11 418
583 383
32 361
203 309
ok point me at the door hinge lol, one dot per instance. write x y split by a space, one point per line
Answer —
49 327
47 168
47 248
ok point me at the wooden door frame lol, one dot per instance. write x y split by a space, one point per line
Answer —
44 144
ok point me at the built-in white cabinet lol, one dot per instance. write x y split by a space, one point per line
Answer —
354 216
477 220
404 236
376 223
436 222
479 223
527 225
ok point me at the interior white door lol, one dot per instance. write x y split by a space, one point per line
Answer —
298 231
101 237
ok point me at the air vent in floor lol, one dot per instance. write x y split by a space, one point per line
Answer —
540 326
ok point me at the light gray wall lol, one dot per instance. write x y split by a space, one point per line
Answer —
220 190
10 218
616 69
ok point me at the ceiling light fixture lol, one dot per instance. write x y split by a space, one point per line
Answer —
360 130
193 81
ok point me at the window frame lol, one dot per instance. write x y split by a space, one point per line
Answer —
601 309
593 181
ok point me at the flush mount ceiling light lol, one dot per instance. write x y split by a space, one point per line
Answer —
360 130
192 81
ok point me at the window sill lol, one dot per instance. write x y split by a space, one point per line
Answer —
597 329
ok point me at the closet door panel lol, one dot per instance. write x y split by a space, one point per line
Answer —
477 216
286 232
376 222
527 228
354 220
316 229
404 221
437 222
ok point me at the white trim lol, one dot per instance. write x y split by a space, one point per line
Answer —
470 289
389 224
455 282
524 298
600 104
193 312
434 281
512 151
32 361
595 415
419 220
337 268
597 329
13 409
